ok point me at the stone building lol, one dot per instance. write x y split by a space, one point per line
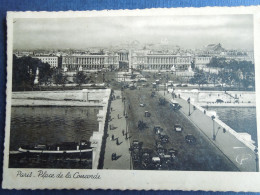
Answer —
86 62
158 61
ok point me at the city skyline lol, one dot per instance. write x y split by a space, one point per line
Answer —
232 31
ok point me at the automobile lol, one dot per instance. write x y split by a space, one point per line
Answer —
179 85
135 153
178 127
172 152
163 138
136 145
157 129
142 105
190 139
185 85
219 101
147 114
163 135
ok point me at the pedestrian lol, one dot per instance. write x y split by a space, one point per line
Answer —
117 143
113 137
111 109
118 116
123 132
126 136
110 127
129 107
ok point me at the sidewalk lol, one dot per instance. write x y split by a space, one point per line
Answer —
236 151
123 158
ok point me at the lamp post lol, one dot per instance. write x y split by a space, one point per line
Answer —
164 88
214 134
188 100
124 107
256 160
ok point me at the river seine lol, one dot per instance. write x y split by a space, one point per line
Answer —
51 125
239 119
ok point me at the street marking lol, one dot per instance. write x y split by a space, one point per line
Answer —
242 157
238 147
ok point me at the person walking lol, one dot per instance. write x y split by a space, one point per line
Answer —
123 132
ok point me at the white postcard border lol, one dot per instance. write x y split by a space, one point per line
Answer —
129 179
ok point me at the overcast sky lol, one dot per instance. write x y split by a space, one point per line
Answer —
232 31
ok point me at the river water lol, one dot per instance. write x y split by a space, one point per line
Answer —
239 119
51 125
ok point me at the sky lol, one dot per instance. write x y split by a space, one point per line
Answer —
189 32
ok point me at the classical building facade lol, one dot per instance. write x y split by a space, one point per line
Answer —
161 62
90 62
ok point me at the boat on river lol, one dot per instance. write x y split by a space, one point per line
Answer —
62 148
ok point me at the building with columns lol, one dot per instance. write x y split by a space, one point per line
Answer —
86 62
161 61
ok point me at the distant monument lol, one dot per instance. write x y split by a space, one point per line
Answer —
36 80
173 68
190 69
80 68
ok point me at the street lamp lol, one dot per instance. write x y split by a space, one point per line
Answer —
214 134
164 88
188 100
256 159
124 107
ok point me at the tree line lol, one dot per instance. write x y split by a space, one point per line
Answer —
231 73
24 74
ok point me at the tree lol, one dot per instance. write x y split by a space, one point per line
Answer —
81 78
60 79
24 72
199 78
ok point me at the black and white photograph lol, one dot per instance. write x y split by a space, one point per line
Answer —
133 92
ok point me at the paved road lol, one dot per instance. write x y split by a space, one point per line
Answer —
121 149
202 156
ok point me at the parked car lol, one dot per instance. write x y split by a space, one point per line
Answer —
142 105
219 101
178 127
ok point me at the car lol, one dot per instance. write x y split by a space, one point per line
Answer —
157 129
147 114
190 139
219 101
142 105
136 145
178 127
172 152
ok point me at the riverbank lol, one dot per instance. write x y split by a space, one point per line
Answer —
85 97
218 98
